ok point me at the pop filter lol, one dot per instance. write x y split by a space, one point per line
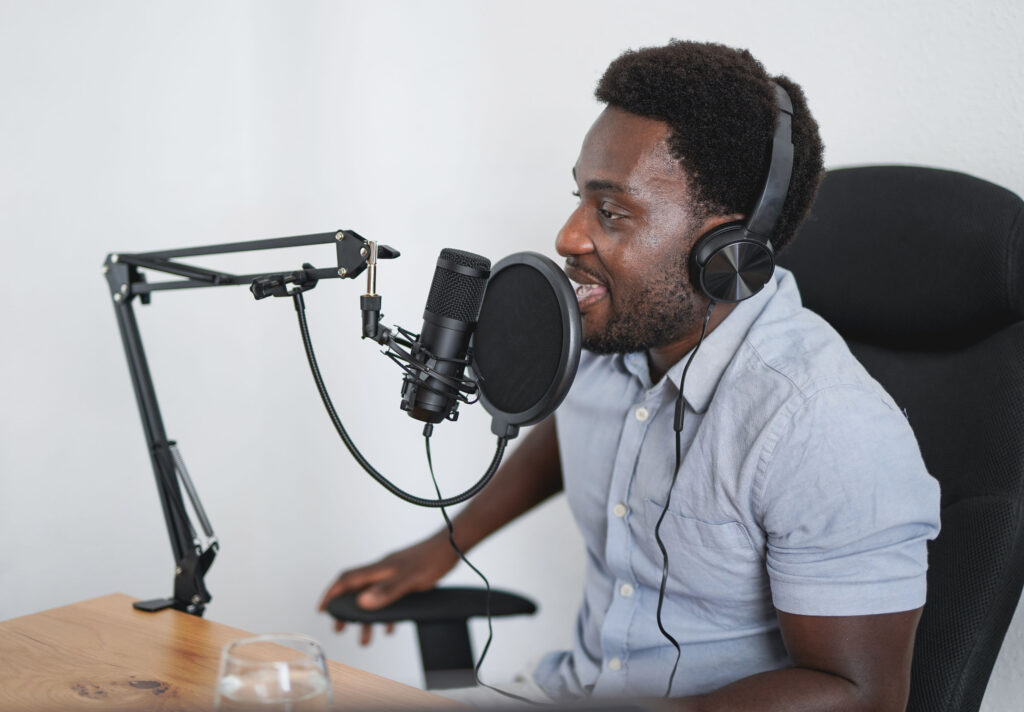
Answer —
526 346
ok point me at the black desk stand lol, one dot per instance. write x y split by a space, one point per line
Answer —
193 554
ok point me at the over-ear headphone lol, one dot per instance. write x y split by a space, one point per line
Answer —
734 261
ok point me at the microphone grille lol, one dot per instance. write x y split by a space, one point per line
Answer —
465 259
455 295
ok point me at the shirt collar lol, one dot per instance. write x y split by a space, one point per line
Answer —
717 351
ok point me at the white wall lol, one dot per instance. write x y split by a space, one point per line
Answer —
128 126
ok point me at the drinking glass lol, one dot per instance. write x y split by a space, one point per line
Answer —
283 672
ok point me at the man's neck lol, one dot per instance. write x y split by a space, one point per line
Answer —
661 358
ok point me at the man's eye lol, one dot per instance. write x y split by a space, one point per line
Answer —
607 214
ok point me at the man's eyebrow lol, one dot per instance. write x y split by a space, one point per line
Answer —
595 185
604 185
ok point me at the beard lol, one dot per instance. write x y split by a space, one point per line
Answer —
664 310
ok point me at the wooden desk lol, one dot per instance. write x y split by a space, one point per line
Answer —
102 654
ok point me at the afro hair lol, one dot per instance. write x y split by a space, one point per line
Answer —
720 105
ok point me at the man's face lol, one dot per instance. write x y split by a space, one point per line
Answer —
627 242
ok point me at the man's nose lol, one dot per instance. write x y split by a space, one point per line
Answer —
573 238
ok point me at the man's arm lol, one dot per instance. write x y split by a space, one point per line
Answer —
848 507
530 475
842 663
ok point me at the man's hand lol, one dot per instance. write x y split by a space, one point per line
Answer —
530 475
416 568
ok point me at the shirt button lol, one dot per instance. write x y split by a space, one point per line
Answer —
626 590
619 510
615 664
641 414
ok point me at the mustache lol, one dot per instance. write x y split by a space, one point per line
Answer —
575 266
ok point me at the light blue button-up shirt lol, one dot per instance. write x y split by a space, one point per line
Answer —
801 489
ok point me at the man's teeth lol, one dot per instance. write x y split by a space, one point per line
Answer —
585 289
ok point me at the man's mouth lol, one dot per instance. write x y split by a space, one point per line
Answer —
588 289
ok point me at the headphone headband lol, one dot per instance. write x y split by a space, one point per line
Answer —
734 261
768 207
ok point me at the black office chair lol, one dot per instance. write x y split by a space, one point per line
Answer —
442 626
922 272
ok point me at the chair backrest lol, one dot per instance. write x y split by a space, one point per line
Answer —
922 272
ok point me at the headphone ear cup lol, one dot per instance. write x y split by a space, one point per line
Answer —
730 265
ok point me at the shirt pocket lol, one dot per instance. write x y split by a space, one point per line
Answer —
714 571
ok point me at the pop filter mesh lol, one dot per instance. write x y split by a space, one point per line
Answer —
517 347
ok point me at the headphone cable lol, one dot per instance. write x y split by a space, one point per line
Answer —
677 425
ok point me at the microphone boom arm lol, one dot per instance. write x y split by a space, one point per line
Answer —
194 553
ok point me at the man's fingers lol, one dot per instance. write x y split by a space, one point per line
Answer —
327 598
365 631
337 588
355 580
380 595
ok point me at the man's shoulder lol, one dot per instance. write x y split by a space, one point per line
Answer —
798 354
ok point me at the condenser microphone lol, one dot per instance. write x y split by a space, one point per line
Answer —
430 390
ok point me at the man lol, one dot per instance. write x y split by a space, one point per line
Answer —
796 522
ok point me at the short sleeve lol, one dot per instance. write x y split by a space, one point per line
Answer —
848 507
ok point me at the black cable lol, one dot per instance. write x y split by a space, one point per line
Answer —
487 600
677 425
300 309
